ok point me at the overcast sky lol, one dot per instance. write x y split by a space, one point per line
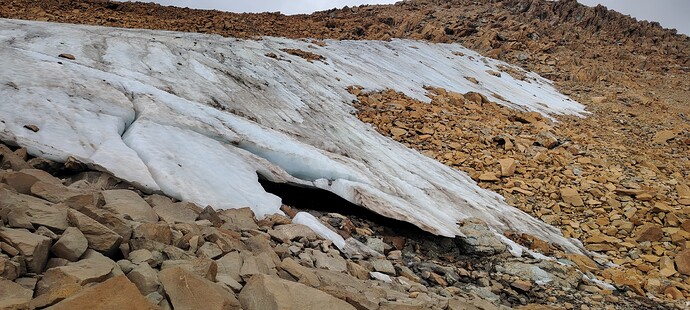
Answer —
670 13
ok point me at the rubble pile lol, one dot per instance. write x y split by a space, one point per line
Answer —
628 204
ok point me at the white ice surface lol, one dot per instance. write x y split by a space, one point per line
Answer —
199 116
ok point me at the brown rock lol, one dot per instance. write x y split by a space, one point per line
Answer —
24 179
521 285
488 177
190 291
663 136
33 247
71 245
303 274
128 205
201 266
290 232
507 166
100 238
649 232
114 293
171 213
159 232
264 292
571 196
67 56
683 262
13 295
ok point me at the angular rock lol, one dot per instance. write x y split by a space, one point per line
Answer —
649 232
71 245
303 274
33 247
81 273
13 295
129 205
290 232
264 292
114 293
22 180
38 211
190 291
230 264
100 237
159 232
171 213
683 262
202 267
383 265
571 196
330 262
478 238
241 219
145 278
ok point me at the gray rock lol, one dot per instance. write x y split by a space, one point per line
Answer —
71 245
479 239
329 261
228 281
376 244
230 264
142 256
125 265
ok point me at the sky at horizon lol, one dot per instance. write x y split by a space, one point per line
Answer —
669 13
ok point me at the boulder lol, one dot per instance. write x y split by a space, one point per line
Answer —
128 205
145 278
81 273
263 292
187 290
33 247
22 180
159 232
479 239
71 245
13 295
171 213
100 237
115 293
303 274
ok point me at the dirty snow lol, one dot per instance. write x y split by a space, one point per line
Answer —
199 117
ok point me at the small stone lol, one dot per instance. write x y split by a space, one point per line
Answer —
649 232
571 196
67 56
290 232
521 285
71 245
488 177
663 136
508 166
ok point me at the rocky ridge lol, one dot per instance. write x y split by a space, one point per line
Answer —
86 240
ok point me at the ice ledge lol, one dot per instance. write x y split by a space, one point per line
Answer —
198 117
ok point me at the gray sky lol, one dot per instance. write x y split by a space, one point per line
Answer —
670 13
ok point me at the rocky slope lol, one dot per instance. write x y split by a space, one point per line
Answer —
616 180
78 239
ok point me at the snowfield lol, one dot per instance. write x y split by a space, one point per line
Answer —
199 117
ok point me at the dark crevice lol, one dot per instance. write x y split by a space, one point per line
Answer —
319 202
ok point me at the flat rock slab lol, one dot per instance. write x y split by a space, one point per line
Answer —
264 292
129 205
190 291
114 293
13 295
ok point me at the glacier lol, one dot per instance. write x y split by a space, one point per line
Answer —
200 117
